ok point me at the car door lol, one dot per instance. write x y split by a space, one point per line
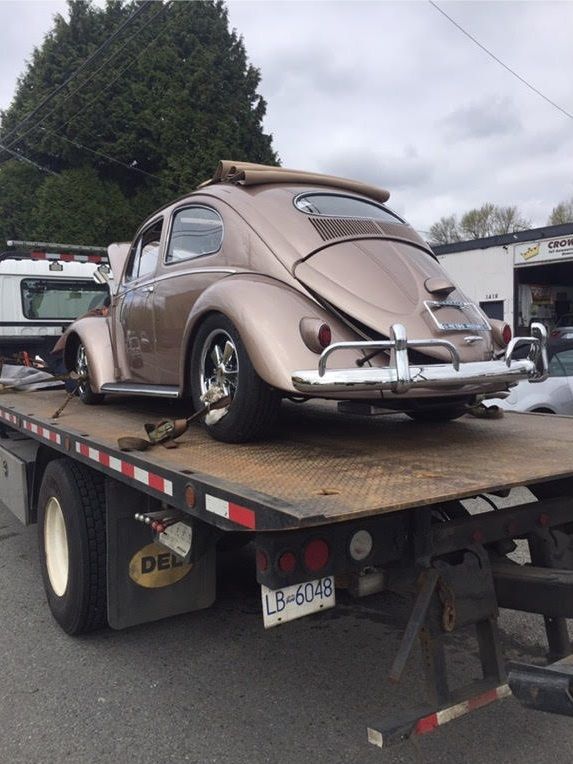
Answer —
133 308
564 360
193 260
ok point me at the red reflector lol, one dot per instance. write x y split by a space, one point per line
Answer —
324 336
506 334
287 562
555 333
262 560
316 555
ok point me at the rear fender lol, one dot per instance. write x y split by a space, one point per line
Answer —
93 333
267 314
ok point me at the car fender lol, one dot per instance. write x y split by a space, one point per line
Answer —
94 334
267 314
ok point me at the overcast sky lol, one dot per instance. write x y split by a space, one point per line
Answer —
392 93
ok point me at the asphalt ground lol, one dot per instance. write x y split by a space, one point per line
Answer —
214 686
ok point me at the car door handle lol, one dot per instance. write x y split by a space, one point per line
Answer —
148 289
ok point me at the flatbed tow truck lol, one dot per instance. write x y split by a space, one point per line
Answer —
337 500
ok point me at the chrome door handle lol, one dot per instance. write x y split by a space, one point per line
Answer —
148 289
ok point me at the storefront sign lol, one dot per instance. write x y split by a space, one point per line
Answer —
549 250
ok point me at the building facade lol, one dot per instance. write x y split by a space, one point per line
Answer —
517 277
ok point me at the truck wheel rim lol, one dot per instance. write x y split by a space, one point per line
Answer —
219 363
56 547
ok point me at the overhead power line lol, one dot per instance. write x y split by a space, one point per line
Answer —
26 160
88 79
138 11
500 62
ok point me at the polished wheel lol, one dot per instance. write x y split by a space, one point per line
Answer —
219 363
56 547
84 388
219 358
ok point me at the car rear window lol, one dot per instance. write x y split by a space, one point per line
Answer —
60 299
196 231
341 206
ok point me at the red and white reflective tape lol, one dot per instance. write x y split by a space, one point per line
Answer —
233 512
126 468
43 432
66 257
432 721
12 418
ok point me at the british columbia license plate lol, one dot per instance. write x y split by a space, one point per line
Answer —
282 605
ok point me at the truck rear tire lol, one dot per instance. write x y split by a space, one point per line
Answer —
72 541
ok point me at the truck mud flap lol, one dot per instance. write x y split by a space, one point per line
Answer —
145 580
544 688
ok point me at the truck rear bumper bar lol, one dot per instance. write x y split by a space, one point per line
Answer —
400 377
544 688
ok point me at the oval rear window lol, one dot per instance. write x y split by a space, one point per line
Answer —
337 205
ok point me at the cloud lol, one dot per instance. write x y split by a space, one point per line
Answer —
487 118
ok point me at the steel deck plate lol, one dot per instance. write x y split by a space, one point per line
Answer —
324 466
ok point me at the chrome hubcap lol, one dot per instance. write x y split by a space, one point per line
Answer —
219 363
82 368
56 547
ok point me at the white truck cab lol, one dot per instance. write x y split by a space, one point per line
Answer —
43 288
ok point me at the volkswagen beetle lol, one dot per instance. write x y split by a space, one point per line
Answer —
273 283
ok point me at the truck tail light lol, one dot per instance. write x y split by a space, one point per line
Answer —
262 560
316 555
287 562
360 545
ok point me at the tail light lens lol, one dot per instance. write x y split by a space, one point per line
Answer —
324 336
316 555
287 562
360 545
262 560
506 334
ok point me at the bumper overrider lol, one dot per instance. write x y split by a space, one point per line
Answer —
400 377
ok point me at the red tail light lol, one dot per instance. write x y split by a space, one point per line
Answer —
506 334
262 560
316 555
555 333
324 336
287 562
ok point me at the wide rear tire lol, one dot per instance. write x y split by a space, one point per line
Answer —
255 405
72 543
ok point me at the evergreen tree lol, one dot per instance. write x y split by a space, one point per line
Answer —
172 95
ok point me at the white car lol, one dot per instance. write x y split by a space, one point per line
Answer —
554 395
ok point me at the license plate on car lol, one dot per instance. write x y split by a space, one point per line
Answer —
282 605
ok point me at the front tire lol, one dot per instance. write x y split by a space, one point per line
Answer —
72 542
219 357
85 392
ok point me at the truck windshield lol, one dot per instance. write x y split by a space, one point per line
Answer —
60 299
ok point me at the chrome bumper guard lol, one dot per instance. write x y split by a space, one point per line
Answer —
400 376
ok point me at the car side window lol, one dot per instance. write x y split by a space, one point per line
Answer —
196 231
144 252
561 364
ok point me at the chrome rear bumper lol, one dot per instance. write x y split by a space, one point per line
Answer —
400 376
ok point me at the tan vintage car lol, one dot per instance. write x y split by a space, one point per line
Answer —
273 283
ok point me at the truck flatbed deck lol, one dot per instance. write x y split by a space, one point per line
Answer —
323 466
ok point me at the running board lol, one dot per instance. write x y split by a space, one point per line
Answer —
130 388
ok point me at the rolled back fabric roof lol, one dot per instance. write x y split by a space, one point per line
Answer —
249 174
